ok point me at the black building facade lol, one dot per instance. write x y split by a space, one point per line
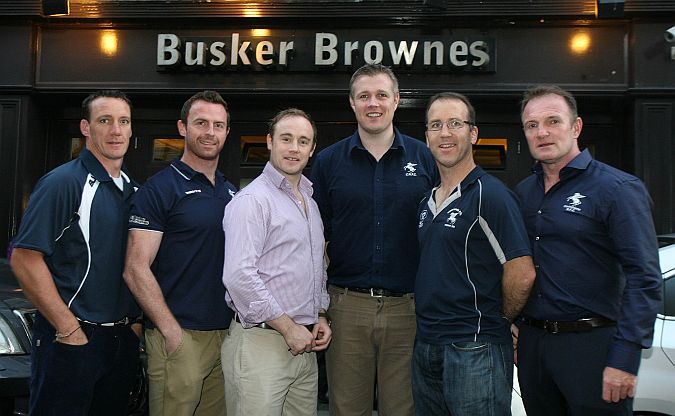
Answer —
266 55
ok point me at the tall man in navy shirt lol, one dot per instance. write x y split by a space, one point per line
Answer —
368 187
598 284
69 256
474 276
175 263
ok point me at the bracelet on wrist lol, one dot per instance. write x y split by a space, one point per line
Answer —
59 335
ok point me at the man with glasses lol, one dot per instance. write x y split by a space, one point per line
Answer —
368 187
474 276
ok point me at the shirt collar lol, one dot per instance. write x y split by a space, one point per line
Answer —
355 141
579 163
94 166
187 172
280 181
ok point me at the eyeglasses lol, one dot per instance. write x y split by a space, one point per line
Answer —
454 124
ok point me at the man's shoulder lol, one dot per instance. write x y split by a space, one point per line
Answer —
609 174
338 149
72 174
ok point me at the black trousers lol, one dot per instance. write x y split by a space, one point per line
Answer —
80 380
561 374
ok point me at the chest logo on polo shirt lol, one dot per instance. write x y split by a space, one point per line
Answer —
452 217
573 202
410 169
194 191
231 192
423 216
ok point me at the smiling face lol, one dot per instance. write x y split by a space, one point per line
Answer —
551 130
451 148
292 145
205 132
374 103
108 130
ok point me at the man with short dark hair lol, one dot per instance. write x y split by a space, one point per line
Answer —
69 257
368 187
598 285
275 276
474 276
174 264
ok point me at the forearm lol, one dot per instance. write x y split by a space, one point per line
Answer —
143 285
517 282
39 287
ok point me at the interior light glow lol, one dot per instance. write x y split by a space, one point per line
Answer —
109 43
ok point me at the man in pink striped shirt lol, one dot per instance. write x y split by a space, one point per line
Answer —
275 276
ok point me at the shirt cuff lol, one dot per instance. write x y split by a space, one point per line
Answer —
624 356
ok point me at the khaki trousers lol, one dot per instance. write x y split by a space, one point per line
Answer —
371 336
262 378
189 381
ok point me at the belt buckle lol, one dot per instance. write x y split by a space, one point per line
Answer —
374 295
552 327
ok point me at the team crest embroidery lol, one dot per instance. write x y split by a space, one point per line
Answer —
423 216
574 202
452 217
410 169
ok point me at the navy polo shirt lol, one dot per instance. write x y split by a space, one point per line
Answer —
595 252
77 218
368 209
458 291
184 205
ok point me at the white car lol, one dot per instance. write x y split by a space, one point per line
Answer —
656 379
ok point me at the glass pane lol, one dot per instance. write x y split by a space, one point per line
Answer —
490 153
76 146
166 150
254 150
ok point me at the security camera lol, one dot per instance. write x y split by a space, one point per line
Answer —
670 35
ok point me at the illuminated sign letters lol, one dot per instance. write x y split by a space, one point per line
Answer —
322 51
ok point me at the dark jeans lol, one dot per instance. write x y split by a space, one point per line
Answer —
462 379
91 379
561 374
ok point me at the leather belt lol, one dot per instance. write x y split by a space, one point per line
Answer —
374 292
580 325
264 325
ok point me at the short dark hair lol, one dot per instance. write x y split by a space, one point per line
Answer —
541 90
208 96
371 70
86 103
291 112
452 96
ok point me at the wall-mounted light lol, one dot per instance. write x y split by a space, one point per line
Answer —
55 7
252 12
609 9
580 43
260 33
108 42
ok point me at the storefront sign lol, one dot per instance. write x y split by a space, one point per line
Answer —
323 51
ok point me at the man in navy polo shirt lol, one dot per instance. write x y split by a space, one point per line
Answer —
598 285
175 263
474 275
367 187
69 256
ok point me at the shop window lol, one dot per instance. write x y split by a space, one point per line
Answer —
76 146
166 149
490 153
254 150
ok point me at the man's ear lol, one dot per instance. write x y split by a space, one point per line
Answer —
84 128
